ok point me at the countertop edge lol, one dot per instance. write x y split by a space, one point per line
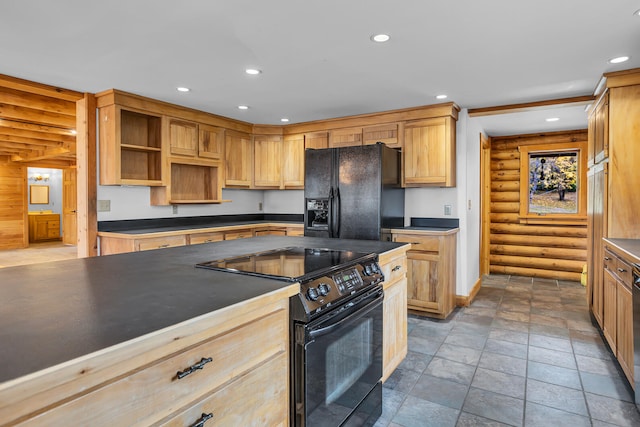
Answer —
620 245
443 232
196 230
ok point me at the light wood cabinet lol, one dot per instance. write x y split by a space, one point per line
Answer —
617 325
183 137
395 338
199 238
391 134
429 153
211 142
346 137
130 147
431 273
232 364
238 160
239 234
267 161
293 162
316 140
43 227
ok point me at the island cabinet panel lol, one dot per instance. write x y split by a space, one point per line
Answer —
395 336
130 147
429 152
240 374
238 165
431 273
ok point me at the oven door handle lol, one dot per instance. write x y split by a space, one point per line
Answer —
359 313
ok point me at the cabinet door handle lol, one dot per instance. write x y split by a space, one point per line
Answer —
203 419
622 270
396 268
607 258
193 368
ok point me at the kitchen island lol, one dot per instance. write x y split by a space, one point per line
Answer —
100 340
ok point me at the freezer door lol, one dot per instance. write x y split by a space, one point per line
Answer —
318 181
358 192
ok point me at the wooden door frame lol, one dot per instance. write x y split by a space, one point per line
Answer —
485 203
87 186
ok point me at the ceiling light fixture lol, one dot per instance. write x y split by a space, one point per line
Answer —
441 96
73 132
284 120
552 119
182 89
252 71
380 38
637 12
618 60
243 107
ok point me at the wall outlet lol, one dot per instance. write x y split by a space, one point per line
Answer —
104 205
447 209
174 209
260 206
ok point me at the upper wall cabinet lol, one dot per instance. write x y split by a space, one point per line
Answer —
316 140
183 138
599 130
238 154
390 134
293 161
429 153
346 137
211 142
130 147
267 161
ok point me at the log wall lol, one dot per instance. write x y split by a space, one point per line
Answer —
550 251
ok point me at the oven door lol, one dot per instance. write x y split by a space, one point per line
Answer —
339 364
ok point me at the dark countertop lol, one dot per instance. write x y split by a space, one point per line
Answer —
57 311
161 229
630 246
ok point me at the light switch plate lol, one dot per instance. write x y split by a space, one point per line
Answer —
447 209
104 205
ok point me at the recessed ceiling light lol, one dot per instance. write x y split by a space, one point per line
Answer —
441 96
182 89
284 120
552 119
637 12
252 71
618 59
243 107
380 38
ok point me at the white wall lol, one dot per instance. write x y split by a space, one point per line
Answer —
285 201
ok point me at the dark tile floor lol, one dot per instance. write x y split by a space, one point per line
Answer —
525 353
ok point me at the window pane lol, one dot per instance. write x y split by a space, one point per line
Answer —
553 183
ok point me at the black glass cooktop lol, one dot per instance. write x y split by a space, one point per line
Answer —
295 264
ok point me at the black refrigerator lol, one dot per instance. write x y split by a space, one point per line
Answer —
352 192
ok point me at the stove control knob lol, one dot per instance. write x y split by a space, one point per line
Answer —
324 288
312 294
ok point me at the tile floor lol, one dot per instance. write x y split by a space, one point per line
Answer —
37 252
525 353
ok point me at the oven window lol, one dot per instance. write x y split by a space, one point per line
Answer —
347 359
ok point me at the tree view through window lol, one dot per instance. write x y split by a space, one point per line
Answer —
553 183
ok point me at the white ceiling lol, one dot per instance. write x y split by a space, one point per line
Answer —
316 56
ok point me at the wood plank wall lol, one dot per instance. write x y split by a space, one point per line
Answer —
13 205
549 251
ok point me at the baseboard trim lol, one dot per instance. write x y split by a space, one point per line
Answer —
466 300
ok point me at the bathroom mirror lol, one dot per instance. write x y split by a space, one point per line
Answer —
39 194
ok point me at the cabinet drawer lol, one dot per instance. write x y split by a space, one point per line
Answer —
259 398
609 261
618 267
196 239
419 243
53 224
161 242
394 270
155 392
240 234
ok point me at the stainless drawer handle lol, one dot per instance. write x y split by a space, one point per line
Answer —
203 419
622 270
396 268
192 369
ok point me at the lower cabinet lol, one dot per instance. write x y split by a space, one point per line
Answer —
431 273
44 227
394 339
617 318
236 375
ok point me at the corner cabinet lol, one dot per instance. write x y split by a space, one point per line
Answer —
130 147
430 152
431 271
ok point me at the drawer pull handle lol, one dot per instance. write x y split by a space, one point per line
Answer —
208 241
607 258
192 369
166 245
203 419
622 270
396 268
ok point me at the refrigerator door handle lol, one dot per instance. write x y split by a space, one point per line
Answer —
337 216
330 212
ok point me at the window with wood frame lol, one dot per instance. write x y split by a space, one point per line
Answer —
553 183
